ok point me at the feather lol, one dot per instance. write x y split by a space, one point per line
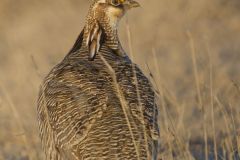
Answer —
92 50
94 41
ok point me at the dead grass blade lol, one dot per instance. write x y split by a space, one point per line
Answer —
18 121
197 81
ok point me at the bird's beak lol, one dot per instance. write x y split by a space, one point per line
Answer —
132 4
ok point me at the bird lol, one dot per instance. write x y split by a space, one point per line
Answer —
96 103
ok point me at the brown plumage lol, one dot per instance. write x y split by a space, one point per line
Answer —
96 103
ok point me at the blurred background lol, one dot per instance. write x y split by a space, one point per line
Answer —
192 49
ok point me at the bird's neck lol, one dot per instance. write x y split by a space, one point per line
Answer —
109 25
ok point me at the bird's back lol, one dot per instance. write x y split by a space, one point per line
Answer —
101 109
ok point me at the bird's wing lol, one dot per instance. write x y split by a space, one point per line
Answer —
149 110
141 100
148 98
69 104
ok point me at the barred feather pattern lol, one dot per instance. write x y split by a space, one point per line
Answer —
81 116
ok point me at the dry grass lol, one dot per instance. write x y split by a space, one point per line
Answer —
189 49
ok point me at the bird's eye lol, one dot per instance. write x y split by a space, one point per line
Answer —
116 2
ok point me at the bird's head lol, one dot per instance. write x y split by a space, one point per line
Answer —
102 22
114 9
